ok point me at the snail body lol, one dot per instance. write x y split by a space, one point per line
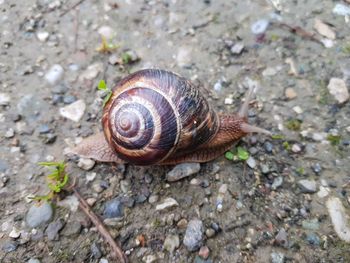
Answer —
158 117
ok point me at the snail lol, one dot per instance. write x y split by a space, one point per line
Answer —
158 117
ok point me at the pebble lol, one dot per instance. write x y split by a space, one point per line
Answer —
74 111
298 109
218 86
182 170
277 257
153 199
319 136
9 133
268 146
69 99
317 168
282 238
103 260
182 223
15 233
290 93
113 208
90 177
296 148
228 101
251 162
95 250
86 164
237 48
150 259
337 88
341 10
107 32
72 229
313 239
39 214
324 29
204 252
277 182
171 243
42 36
194 235
43 129
209 232
167 203
33 260
55 74
53 228
4 99
260 26
307 186
9 247
323 192
339 217
91 72
125 186
91 201
312 224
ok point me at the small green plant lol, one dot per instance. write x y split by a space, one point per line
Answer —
56 180
277 137
106 47
334 139
300 170
293 124
239 154
346 49
286 145
103 86
126 58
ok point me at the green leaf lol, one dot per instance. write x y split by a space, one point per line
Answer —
277 136
126 58
106 99
242 154
286 145
334 139
102 85
229 155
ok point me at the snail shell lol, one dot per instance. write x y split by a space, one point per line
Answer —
153 114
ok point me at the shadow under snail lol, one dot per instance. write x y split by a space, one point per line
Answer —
158 117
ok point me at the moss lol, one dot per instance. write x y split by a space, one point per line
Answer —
293 124
334 139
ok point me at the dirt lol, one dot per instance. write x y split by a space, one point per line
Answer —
194 39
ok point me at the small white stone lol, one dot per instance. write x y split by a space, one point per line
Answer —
319 136
323 192
298 109
42 36
91 72
74 111
90 177
328 43
91 201
183 56
296 148
337 87
324 29
10 133
86 164
237 48
228 101
339 217
259 26
167 203
71 202
4 99
15 233
107 32
341 10
54 75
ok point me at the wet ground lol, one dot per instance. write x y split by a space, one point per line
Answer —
277 206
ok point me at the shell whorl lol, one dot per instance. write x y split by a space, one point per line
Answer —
153 114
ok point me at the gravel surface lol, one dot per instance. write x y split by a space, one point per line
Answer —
287 202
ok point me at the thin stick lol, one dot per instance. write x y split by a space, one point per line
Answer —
117 251
72 7
297 30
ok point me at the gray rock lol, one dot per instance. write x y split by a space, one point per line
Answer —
3 166
193 239
277 257
260 26
182 170
307 186
74 111
167 203
54 75
72 229
9 247
251 162
277 182
339 217
33 260
96 251
53 229
317 168
86 164
171 243
313 239
282 238
113 208
237 48
337 88
39 214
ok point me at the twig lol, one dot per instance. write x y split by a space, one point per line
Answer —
297 30
117 251
72 7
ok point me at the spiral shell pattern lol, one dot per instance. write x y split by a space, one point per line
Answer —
152 114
